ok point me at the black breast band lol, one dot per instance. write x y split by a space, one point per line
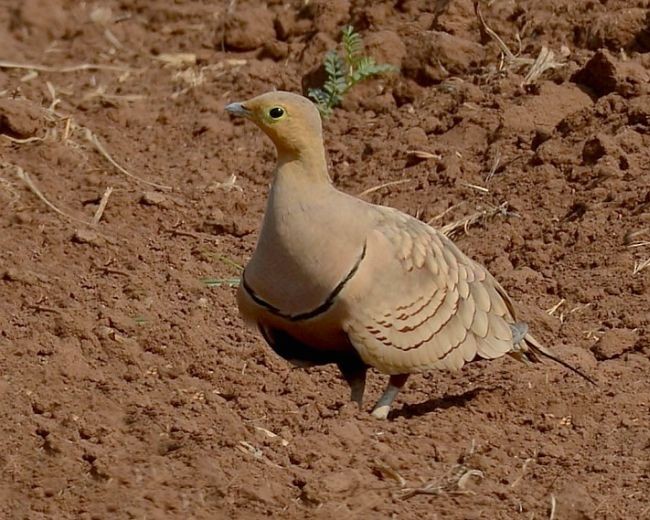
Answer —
329 301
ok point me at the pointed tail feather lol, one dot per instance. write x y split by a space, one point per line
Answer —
531 349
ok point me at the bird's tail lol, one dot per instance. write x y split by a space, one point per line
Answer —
527 348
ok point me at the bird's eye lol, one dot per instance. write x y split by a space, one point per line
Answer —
276 112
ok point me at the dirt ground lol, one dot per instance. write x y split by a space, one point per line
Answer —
130 387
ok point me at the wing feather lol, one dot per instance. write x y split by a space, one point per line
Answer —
420 303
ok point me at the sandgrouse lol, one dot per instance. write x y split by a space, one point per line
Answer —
334 279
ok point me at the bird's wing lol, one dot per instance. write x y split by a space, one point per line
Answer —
417 302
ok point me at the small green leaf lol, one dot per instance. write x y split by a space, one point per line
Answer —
334 65
318 95
345 72
352 44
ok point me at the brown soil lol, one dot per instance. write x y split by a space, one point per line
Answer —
131 390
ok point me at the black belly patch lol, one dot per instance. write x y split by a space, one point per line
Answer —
299 353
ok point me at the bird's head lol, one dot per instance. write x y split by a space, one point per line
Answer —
290 120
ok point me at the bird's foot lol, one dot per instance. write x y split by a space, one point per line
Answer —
395 384
381 412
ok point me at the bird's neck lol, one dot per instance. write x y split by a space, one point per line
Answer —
299 191
302 167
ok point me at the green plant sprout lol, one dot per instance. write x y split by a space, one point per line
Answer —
343 72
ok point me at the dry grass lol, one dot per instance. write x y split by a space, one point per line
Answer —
517 481
102 206
193 234
187 76
421 154
455 482
551 311
509 61
62 128
634 240
18 140
387 471
70 68
257 453
101 93
384 185
476 187
465 223
229 184
71 131
445 212
495 165
71 128
551 515
562 315
26 178
94 140
640 265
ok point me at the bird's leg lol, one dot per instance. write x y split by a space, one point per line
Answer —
355 376
395 384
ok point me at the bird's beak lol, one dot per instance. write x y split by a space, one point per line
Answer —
238 109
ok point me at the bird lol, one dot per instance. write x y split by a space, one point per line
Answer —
337 280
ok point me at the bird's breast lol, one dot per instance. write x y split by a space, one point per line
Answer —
303 253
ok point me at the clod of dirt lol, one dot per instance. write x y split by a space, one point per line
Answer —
338 483
16 275
375 15
53 486
276 50
120 321
549 453
605 74
546 109
87 236
639 111
379 104
43 16
436 55
248 28
596 148
288 25
318 46
416 138
153 198
328 15
613 30
614 343
540 137
385 47
573 502
576 211
19 119
266 492
221 224
642 41
452 15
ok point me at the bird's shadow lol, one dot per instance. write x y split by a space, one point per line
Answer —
439 403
